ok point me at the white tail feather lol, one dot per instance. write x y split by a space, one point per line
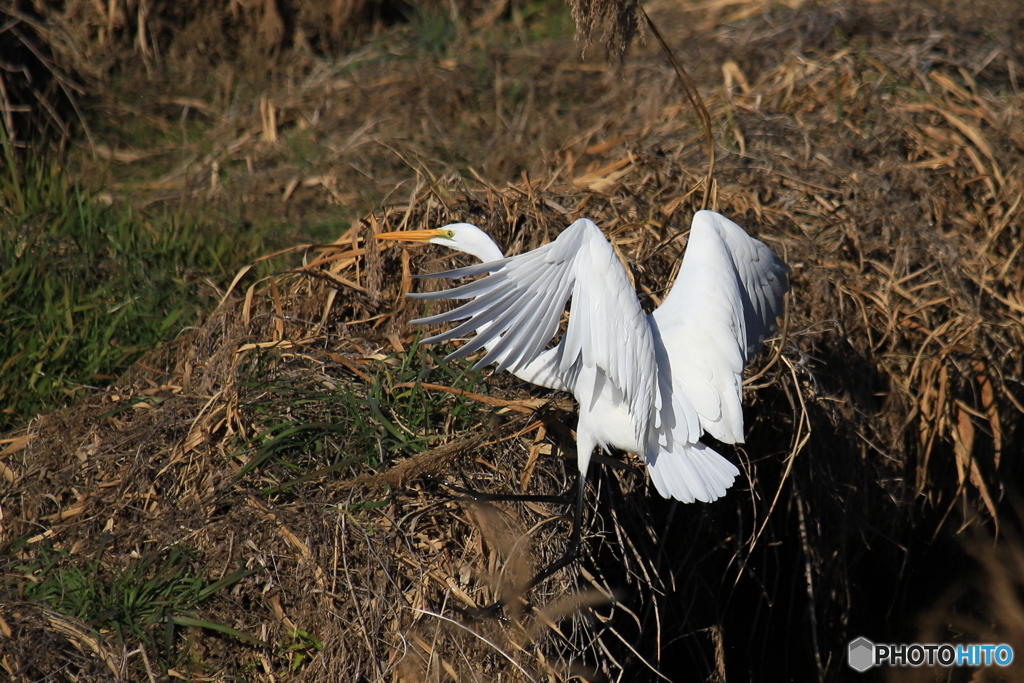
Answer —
692 472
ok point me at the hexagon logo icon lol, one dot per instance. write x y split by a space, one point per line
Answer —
861 654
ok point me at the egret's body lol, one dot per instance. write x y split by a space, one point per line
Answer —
650 385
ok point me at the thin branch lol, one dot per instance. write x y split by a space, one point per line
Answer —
690 88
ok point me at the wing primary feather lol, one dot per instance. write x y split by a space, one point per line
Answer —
473 308
466 291
500 294
481 323
507 340
512 324
466 271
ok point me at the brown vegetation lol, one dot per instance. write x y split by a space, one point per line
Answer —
877 146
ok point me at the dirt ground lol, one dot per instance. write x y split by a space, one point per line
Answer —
876 146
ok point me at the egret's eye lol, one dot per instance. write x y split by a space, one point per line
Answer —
450 234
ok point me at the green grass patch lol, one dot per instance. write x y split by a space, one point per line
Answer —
85 288
337 429
149 601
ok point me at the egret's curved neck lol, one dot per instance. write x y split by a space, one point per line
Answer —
485 251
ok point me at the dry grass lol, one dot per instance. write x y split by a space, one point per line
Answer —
876 148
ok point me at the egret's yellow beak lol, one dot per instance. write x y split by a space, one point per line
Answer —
412 235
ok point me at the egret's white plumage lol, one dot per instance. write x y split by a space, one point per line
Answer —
650 385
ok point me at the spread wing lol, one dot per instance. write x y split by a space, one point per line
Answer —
516 308
724 303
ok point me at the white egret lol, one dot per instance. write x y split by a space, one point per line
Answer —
651 385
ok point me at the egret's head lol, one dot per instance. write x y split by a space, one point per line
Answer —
458 236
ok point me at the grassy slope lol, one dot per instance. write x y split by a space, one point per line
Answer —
86 288
836 141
